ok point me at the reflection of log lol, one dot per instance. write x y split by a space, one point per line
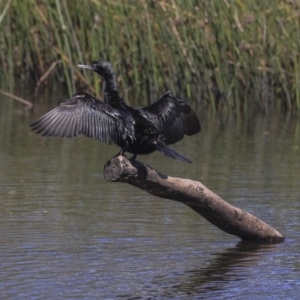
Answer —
230 265
194 194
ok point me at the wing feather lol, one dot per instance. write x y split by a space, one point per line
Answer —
172 117
82 114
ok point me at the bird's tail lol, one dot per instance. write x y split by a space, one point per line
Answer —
167 151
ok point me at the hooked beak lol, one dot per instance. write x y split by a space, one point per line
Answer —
85 67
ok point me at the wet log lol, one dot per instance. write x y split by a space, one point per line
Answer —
209 205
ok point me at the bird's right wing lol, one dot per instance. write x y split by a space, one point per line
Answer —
161 113
173 117
83 114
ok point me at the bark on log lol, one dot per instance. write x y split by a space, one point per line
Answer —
194 194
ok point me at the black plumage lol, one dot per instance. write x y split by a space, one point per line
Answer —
135 130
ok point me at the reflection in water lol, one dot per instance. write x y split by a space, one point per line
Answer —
229 266
66 233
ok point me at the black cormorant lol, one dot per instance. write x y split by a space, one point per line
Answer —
135 130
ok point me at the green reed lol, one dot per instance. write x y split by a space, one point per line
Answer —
224 54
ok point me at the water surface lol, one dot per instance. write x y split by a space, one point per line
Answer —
68 234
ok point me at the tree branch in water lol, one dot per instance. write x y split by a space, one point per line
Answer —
194 194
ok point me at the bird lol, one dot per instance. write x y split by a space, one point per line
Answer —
137 130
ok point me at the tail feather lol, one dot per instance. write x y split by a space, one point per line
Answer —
167 151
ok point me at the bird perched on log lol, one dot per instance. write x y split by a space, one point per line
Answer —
140 130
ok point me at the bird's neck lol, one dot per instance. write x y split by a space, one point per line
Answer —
111 84
111 94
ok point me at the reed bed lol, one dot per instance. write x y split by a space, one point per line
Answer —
220 53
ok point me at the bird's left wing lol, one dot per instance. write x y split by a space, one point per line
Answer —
83 114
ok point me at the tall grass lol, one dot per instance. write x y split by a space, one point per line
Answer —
230 54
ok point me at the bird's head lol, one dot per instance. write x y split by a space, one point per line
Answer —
103 68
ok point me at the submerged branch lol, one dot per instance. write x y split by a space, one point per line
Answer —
194 194
29 104
46 74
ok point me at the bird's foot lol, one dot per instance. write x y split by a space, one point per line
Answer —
133 157
121 152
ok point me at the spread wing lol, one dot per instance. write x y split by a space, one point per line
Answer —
172 117
189 118
83 114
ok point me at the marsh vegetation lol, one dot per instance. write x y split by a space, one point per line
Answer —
229 54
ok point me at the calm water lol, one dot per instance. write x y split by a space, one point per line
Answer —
68 234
